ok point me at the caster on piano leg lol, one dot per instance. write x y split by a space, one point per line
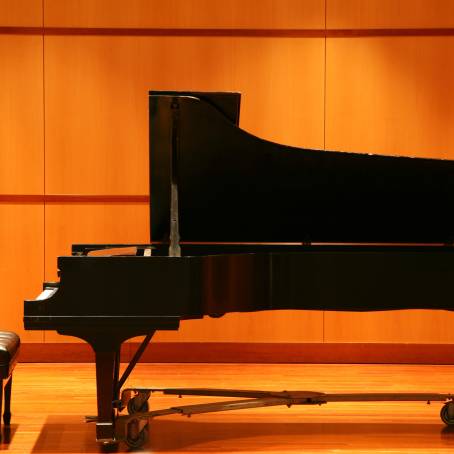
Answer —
133 431
136 433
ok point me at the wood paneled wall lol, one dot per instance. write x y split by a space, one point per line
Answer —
350 75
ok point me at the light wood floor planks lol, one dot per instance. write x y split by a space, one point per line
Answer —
50 400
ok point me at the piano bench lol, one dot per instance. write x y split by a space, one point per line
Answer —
9 352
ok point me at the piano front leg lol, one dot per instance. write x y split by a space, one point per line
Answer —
106 383
106 347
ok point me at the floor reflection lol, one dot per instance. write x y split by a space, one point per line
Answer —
64 434
225 437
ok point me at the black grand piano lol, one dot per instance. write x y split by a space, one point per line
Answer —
239 223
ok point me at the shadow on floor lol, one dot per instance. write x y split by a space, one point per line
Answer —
7 435
64 434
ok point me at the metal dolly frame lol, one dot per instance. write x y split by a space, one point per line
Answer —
133 427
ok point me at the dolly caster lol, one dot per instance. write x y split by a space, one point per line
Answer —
136 437
447 413
137 405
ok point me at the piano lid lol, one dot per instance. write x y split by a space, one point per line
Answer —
235 187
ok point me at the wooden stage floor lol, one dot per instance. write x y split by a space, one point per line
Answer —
50 400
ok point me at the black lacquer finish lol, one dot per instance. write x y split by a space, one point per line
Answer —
212 182
236 187
136 293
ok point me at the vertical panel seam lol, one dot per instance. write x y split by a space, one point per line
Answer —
44 155
324 130
324 83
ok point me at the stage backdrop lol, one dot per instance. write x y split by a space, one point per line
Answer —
374 77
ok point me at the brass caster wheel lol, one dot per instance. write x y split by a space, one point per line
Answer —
447 413
135 437
137 405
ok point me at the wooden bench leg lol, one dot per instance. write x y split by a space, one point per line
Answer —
7 412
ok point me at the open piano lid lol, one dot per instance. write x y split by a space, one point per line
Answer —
234 187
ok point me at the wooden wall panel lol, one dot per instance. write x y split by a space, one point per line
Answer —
21 264
21 115
28 13
390 96
186 13
97 99
78 223
21 164
410 326
353 14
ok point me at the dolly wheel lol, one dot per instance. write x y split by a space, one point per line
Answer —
447 413
136 439
137 405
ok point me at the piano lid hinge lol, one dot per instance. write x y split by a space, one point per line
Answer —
307 242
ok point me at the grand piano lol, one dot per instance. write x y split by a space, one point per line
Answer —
241 224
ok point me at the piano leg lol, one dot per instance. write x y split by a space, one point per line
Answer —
107 356
106 346
106 383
